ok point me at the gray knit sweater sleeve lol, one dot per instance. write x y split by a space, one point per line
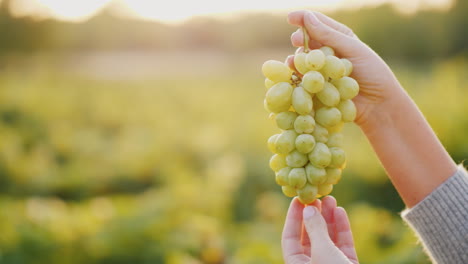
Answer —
441 220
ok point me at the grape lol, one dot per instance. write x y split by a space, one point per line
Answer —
335 139
328 116
300 62
338 157
279 97
269 83
348 110
288 191
285 120
265 105
277 162
315 175
297 178
307 194
333 175
286 142
334 67
315 60
296 159
305 143
301 101
320 134
313 82
325 189
282 176
272 143
347 86
327 51
271 116
336 128
329 95
317 104
348 67
304 124
320 156
276 71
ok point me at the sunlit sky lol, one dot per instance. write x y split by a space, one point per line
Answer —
180 10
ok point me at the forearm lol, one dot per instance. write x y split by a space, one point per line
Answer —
407 147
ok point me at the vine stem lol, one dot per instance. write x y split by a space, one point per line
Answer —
306 40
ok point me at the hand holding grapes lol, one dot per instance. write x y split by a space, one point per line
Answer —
326 236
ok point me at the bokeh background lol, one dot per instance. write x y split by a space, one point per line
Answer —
134 131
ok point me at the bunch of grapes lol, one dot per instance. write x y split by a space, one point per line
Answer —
310 104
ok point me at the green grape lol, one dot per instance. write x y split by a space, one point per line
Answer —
320 156
286 142
300 62
282 176
297 178
315 60
348 110
327 51
279 97
338 157
333 175
347 86
269 83
277 162
329 96
301 101
272 143
315 175
313 82
271 116
336 128
307 194
304 124
325 189
335 139
276 71
320 134
288 191
305 143
296 159
265 105
348 67
328 116
333 68
285 120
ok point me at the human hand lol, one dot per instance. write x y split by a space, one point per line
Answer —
306 239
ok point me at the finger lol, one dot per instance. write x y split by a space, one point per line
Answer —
290 62
328 207
304 236
344 236
291 238
297 40
296 18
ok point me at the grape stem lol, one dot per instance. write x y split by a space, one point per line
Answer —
306 40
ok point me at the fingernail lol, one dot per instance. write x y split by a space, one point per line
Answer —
311 19
309 211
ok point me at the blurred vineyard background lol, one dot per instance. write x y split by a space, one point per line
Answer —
130 141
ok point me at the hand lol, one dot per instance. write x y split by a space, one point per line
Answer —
315 244
379 87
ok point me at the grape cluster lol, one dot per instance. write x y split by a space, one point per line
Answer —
310 105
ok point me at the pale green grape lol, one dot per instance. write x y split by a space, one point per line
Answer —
305 143
276 71
348 110
307 194
300 62
277 162
269 83
285 120
297 178
325 189
272 143
282 176
338 157
328 116
304 124
320 134
348 67
265 105
335 139
333 68
315 175
347 86
286 141
336 128
333 175
288 191
279 97
301 101
329 96
271 116
296 159
313 82
327 51
315 60
320 156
